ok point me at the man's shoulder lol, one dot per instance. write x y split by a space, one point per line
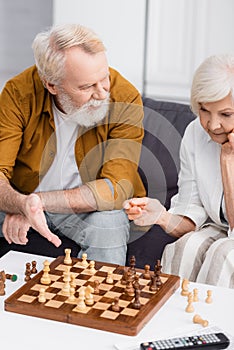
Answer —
27 79
122 90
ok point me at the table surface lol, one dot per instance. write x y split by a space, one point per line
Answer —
27 332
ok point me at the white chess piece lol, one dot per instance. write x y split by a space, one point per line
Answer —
41 296
45 279
67 259
81 300
92 267
109 278
89 300
84 261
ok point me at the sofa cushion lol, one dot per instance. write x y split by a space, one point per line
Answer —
164 125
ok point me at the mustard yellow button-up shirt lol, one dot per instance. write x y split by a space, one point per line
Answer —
110 150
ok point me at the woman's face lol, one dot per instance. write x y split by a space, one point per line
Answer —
217 118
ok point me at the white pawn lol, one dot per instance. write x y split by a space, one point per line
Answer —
92 267
72 294
41 296
109 278
81 300
84 261
67 259
45 279
66 286
209 297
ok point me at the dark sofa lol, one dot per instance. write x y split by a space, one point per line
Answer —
164 125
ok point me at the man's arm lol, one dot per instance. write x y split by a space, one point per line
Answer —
76 200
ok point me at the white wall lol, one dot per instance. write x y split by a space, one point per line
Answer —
20 21
119 23
181 34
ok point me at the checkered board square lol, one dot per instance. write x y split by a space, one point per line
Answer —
100 315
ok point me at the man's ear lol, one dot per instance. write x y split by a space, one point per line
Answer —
51 88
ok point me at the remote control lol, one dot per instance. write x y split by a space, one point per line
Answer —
213 341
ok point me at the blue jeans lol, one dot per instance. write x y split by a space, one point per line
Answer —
102 235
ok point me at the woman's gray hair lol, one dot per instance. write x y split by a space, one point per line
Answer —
213 80
49 48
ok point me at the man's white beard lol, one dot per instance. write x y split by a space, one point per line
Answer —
86 115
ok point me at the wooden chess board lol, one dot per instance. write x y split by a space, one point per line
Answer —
127 320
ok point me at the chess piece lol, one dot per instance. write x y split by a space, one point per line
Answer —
92 267
41 296
147 274
115 305
81 300
185 290
124 278
96 284
129 290
2 283
132 264
199 320
136 283
27 272
67 259
136 303
157 272
34 268
84 261
153 287
13 277
72 282
190 307
109 278
195 295
66 286
71 297
208 299
45 279
89 300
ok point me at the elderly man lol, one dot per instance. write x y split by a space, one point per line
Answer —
71 133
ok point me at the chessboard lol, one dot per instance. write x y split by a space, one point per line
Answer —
127 319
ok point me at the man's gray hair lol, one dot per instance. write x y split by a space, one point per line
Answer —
49 48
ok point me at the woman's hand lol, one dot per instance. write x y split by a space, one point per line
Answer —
144 211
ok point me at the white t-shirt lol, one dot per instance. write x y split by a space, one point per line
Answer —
63 172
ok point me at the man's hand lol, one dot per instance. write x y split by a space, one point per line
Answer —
144 211
15 228
35 216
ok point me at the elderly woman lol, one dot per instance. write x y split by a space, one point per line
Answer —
202 213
